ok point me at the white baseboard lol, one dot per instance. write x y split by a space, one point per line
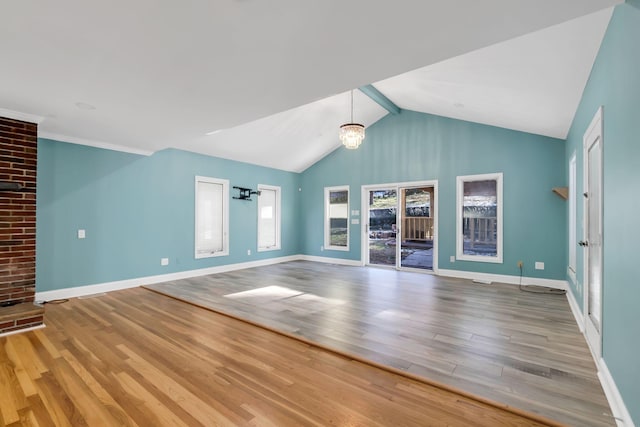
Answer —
503 278
575 309
619 409
79 291
328 260
20 331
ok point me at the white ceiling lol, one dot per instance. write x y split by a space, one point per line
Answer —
162 74
294 139
532 83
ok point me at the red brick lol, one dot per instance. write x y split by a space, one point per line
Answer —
29 320
6 325
18 163
22 297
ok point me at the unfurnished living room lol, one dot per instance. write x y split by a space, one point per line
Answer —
244 213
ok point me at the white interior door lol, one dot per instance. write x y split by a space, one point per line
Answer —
593 231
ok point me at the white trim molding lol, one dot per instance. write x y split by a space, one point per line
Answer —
460 182
594 321
93 143
618 408
80 291
327 218
23 117
205 222
329 260
503 278
617 405
575 309
364 220
20 331
277 213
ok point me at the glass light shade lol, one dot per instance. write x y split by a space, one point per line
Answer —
351 135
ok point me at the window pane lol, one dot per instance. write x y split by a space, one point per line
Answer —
267 219
338 216
209 214
479 218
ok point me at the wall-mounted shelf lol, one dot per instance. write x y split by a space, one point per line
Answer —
561 191
245 193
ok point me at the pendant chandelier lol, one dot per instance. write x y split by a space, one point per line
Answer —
351 134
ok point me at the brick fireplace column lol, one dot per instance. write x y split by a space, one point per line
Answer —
18 161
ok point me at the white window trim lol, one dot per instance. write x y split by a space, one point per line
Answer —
278 218
327 225
225 216
460 180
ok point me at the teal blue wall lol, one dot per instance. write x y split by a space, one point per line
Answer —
138 209
615 84
414 146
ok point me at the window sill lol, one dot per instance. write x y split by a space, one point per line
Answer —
211 255
479 258
336 248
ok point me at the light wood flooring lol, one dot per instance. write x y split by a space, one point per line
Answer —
135 357
519 348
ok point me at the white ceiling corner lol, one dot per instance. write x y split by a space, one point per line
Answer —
532 83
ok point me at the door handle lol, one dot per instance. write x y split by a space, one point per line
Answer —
583 243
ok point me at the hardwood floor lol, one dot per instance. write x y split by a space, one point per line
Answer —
495 341
137 358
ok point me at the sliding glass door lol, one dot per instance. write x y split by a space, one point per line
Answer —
416 231
400 226
383 207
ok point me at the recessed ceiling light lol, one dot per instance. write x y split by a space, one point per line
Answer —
85 106
213 132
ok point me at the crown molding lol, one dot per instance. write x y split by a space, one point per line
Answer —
17 115
93 143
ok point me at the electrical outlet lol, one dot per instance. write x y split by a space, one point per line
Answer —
520 264
452 258
321 248
81 234
539 265
164 261
248 251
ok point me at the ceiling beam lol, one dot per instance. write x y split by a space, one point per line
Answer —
379 97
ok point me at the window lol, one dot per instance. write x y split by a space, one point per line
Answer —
479 218
268 218
212 213
336 227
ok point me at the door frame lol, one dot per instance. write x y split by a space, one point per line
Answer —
595 130
364 244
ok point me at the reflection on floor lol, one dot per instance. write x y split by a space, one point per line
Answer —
284 299
518 348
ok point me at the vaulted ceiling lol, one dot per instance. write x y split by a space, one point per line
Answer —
271 79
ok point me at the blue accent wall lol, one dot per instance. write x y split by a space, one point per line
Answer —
137 210
615 84
413 146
